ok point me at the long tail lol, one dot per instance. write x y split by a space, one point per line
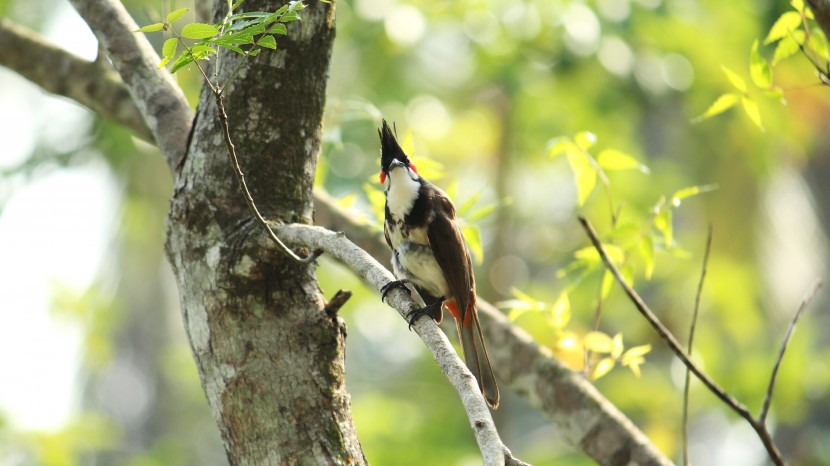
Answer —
475 353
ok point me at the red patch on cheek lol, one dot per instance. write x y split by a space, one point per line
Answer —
412 166
382 177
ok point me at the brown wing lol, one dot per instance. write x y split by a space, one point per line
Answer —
451 252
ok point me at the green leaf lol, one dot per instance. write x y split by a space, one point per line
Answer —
467 205
751 109
254 52
478 214
788 46
289 16
201 51
759 69
560 313
785 25
268 42
474 242
776 93
585 175
199 31
685 193
611 159
377 200
721 104
151 28
662 221
168 51
635 352
607 284
585 140
230 47
602 368
296 6
617 346
798 5
646 249
278 28
169 48
559 146
598 342
183 60
737 81
818 42
176 15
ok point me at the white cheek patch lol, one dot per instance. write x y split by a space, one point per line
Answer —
401 194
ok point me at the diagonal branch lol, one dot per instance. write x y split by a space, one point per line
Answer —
805 301
757 425
359 261
94 84
154 91
583 416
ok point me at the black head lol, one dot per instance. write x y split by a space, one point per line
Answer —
390 149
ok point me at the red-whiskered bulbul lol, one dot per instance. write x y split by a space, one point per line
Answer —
429 252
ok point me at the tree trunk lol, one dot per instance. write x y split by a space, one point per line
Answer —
270 358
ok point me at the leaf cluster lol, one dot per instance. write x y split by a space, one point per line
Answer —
256 29
795 30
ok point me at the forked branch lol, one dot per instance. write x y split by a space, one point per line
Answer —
758 424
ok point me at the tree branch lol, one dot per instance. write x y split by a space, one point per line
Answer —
757 425
808 297
94 84
159 99
584 417
359 261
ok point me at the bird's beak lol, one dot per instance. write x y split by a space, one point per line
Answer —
395 164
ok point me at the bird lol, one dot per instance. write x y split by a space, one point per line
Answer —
429 253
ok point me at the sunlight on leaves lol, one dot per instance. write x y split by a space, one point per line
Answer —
585 175
612 159
721 104
598 342
199 31
759 69
733 77
177 15
603 367
788 46
751 109
783 26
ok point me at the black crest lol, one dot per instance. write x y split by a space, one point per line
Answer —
389 148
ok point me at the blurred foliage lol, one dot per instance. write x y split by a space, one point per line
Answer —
485 94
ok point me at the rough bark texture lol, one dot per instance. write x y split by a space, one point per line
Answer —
271 360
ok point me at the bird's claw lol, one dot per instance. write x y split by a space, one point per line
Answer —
385 289
433 310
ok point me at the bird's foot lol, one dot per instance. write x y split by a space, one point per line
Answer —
433 310
385 289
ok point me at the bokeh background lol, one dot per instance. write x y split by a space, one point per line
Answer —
94 364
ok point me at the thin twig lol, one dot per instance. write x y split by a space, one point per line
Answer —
689 347
805 301
226 133
729 400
